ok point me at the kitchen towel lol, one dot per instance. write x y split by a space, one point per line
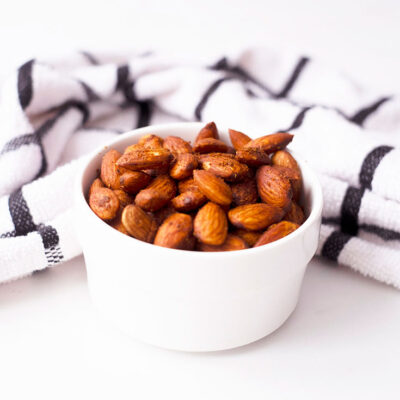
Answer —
54 111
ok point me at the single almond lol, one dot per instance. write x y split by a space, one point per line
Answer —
210 145
284 159
232 242
138 223
250 237
295 180
96 184
254 217
177 145
134 181
151 141
110 172
244 192
274 188
271 143
175 231
144 158
253 157
184 165
104 202
210 224
208 131
295 214
157 194
214 188
189 201
224 166
238 139
276 232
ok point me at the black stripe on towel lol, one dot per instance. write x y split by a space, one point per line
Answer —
241 73
360 116
206 96
90 57
122 77
23 224
90 93
385 234
19 141
25 85
298 120
20 214
293 77
145 111
370 165
334 245
350 209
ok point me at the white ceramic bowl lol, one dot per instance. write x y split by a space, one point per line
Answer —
187 300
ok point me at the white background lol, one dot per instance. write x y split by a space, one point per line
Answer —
343 341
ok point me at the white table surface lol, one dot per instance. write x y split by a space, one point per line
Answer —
343 340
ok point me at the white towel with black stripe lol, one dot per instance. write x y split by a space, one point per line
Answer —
53 112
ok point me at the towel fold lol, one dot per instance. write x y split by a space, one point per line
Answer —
53 112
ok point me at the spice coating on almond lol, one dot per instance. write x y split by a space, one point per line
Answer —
175 232
255 217
273 187
276 232
211 224
157 194
271 143
138 224
104 203
214 188
144 158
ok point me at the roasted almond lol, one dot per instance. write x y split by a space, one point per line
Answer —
231 243
224 166
97 183
210 145
273 187
271 143
157 194
276 232
284 159
138 223
177 145
254 217
175 232
250 237
144 158
253 157
238 139
244 192
189 200
104 202
214 188
133 181
295 214
209 131
151 141
183 166
210 224
110 172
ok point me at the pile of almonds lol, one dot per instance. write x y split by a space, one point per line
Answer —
205 197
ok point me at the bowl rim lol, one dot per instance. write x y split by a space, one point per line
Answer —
80 197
